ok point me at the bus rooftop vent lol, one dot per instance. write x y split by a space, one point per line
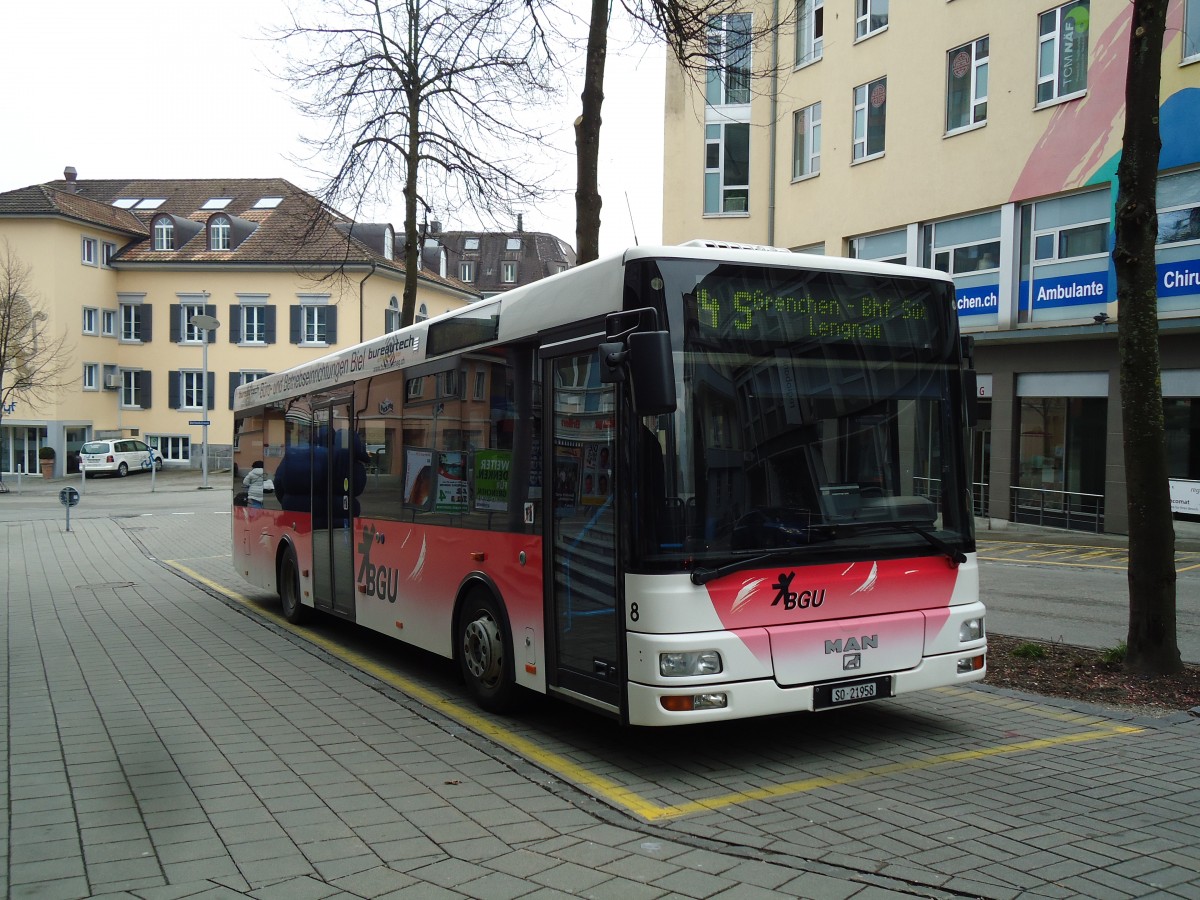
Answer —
730 245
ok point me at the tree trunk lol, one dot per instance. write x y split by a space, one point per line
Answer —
587 139
1152 644
408 307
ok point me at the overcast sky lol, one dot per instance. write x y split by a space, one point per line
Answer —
153 89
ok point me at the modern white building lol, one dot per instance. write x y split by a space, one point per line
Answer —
982 139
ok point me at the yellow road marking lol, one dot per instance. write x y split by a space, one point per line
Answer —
1053 562
628 799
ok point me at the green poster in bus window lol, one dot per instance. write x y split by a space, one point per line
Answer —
491 479
451 483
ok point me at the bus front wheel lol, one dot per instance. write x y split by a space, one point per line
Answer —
289 590
485 654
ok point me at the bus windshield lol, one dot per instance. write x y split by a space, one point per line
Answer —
817 413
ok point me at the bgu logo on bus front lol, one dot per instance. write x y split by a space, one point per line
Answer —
377 581
791 599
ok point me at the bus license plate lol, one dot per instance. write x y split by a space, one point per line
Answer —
827 695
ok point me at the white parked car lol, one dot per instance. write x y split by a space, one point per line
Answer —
118 457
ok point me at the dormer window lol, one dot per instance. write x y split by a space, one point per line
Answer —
164 234
218 233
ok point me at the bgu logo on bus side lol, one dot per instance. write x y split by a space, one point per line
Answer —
378 581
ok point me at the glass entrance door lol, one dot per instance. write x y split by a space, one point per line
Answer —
583 573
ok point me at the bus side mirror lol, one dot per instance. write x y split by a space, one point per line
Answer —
652 373
971 392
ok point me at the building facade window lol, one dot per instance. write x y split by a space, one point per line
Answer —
810 31
87 251
90 318
108 322
466 272
1178 251
313 324
254 324
131 322
174 448
806 141
728 75
191 390
1063 51
91 376
512 244
967 85
1064 257
218 233
164 234
191 334
131 388
422 313
508 272
107 251
870 17
1191 31
968 249
890 246
726 168
870 119
471 244
391 316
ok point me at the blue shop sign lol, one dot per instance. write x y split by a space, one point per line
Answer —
982 299
1084 289
1179 279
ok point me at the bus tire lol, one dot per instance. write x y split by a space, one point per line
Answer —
289 589
484 650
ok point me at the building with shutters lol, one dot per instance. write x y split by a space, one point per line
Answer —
982 139
122 266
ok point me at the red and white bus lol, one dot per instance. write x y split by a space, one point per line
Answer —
677 485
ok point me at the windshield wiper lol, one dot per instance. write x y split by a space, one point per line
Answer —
703 576
953 554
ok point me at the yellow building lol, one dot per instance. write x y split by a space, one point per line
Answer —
121 267
982 139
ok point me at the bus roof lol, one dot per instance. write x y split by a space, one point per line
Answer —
592 289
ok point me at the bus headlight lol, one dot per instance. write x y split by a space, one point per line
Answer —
970 630
690 662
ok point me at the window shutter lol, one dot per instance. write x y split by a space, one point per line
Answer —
147 316
295 323
210 388
173 380
176 310
210 309
331 324
235 323
235 378
143 380
269 323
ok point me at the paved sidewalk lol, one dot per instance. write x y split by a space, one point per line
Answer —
159 743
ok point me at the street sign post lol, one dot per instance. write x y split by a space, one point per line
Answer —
68 497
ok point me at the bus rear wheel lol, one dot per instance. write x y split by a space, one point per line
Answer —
289 590
485 654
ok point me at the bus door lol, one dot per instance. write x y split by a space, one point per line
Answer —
584 628
334 496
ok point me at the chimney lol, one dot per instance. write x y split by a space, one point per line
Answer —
435 227
520 226
69 174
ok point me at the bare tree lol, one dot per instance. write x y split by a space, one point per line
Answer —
424 94
1152 645
704 36
33 363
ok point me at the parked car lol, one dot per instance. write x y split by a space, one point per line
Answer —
118 457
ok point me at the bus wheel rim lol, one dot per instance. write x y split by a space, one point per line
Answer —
482 649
